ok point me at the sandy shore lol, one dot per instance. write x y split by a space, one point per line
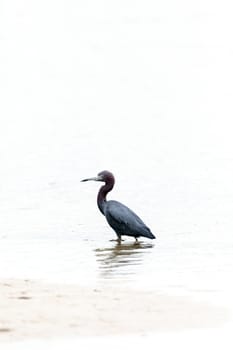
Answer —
32 309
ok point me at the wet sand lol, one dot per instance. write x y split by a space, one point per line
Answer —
31 309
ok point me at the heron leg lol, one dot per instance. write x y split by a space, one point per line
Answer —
119 239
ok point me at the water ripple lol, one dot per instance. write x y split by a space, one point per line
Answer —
122 259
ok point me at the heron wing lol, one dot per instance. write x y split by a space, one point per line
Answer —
122 219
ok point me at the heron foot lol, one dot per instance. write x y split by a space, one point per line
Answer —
119 240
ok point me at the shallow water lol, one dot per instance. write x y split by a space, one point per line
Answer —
51 228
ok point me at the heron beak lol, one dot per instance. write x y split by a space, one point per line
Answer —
96 178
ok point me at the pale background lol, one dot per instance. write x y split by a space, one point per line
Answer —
141 88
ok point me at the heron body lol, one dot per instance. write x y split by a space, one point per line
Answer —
122 219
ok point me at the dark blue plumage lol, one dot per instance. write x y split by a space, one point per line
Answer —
122 219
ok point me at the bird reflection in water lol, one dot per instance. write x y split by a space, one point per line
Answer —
122 258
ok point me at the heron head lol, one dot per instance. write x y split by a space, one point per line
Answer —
104 176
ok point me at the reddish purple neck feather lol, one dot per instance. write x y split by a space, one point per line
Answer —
104 190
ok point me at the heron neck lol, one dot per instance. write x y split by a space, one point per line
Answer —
101 199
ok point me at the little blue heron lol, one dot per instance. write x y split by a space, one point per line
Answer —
122 219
